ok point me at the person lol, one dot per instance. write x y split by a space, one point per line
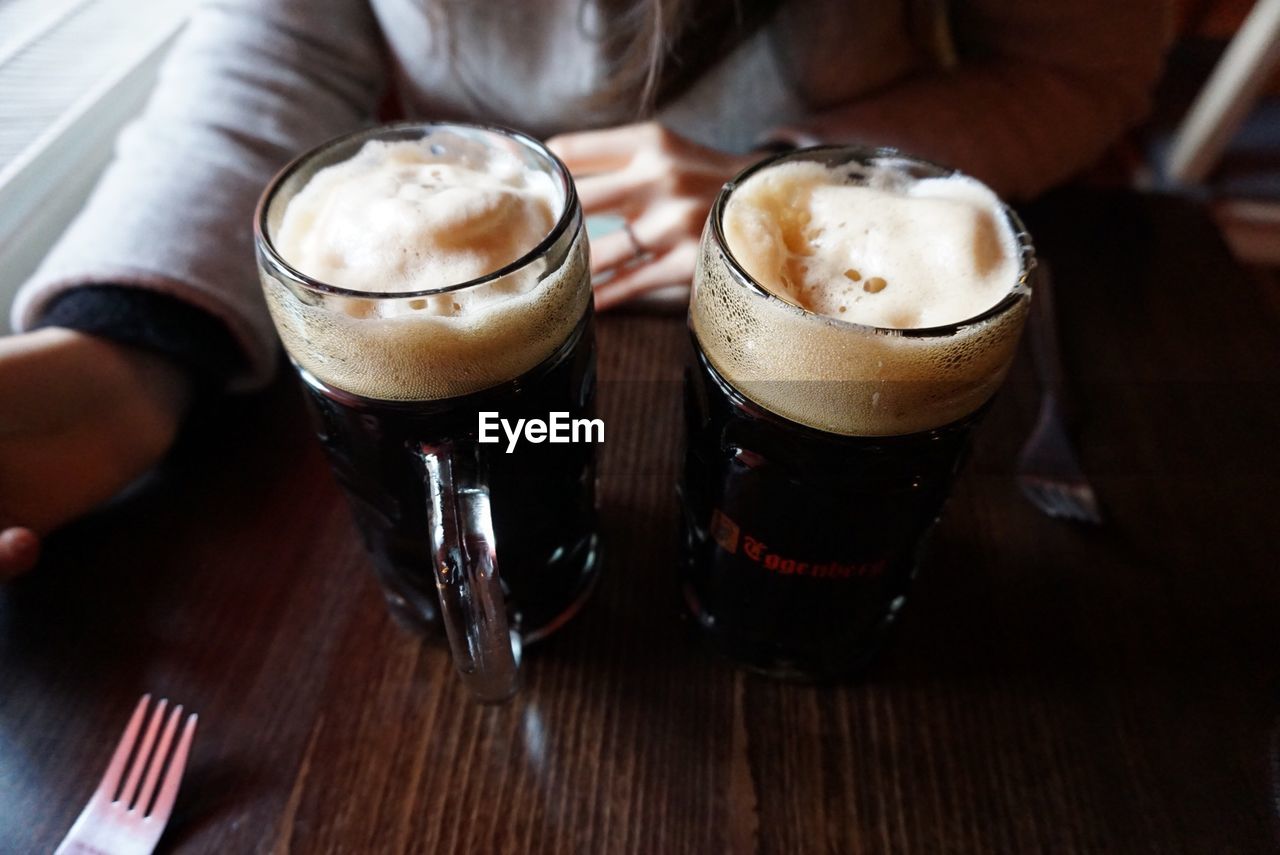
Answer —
151 296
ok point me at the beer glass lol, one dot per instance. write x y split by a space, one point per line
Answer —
500 547
819 452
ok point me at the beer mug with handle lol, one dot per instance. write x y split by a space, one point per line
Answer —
420 277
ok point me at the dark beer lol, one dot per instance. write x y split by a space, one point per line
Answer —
543 495
421 275
821 439
799 545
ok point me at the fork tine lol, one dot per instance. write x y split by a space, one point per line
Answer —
1061 507
1088 503
1046 500
1061 500
1069 510
1078 503
1072 504
141 758
111 778
157 761
173 775
1035 492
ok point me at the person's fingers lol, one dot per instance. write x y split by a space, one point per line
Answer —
671 268
611 192
609 251
586 152
657 230
19 550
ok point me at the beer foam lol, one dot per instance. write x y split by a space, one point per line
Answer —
399 216
944 252
896 253
409 216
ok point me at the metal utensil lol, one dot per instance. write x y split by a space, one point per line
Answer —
1049 472
124 820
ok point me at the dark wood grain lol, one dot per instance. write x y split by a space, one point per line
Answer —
1052 689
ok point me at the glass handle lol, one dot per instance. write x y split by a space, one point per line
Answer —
486 651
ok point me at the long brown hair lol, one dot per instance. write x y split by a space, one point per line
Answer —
655 49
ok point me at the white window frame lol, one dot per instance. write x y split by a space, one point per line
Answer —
44 187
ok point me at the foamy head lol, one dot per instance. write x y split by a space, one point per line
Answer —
389 224
400 217
890 252
849 265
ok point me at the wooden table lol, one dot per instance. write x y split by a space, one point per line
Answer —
1053 688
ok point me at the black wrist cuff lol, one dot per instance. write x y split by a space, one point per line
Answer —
191 337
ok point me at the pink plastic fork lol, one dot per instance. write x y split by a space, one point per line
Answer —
124 820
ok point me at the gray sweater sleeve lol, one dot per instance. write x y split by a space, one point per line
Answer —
249 84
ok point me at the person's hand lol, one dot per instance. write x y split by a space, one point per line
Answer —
80 419
662 184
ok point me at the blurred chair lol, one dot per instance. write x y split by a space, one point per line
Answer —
1248 208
